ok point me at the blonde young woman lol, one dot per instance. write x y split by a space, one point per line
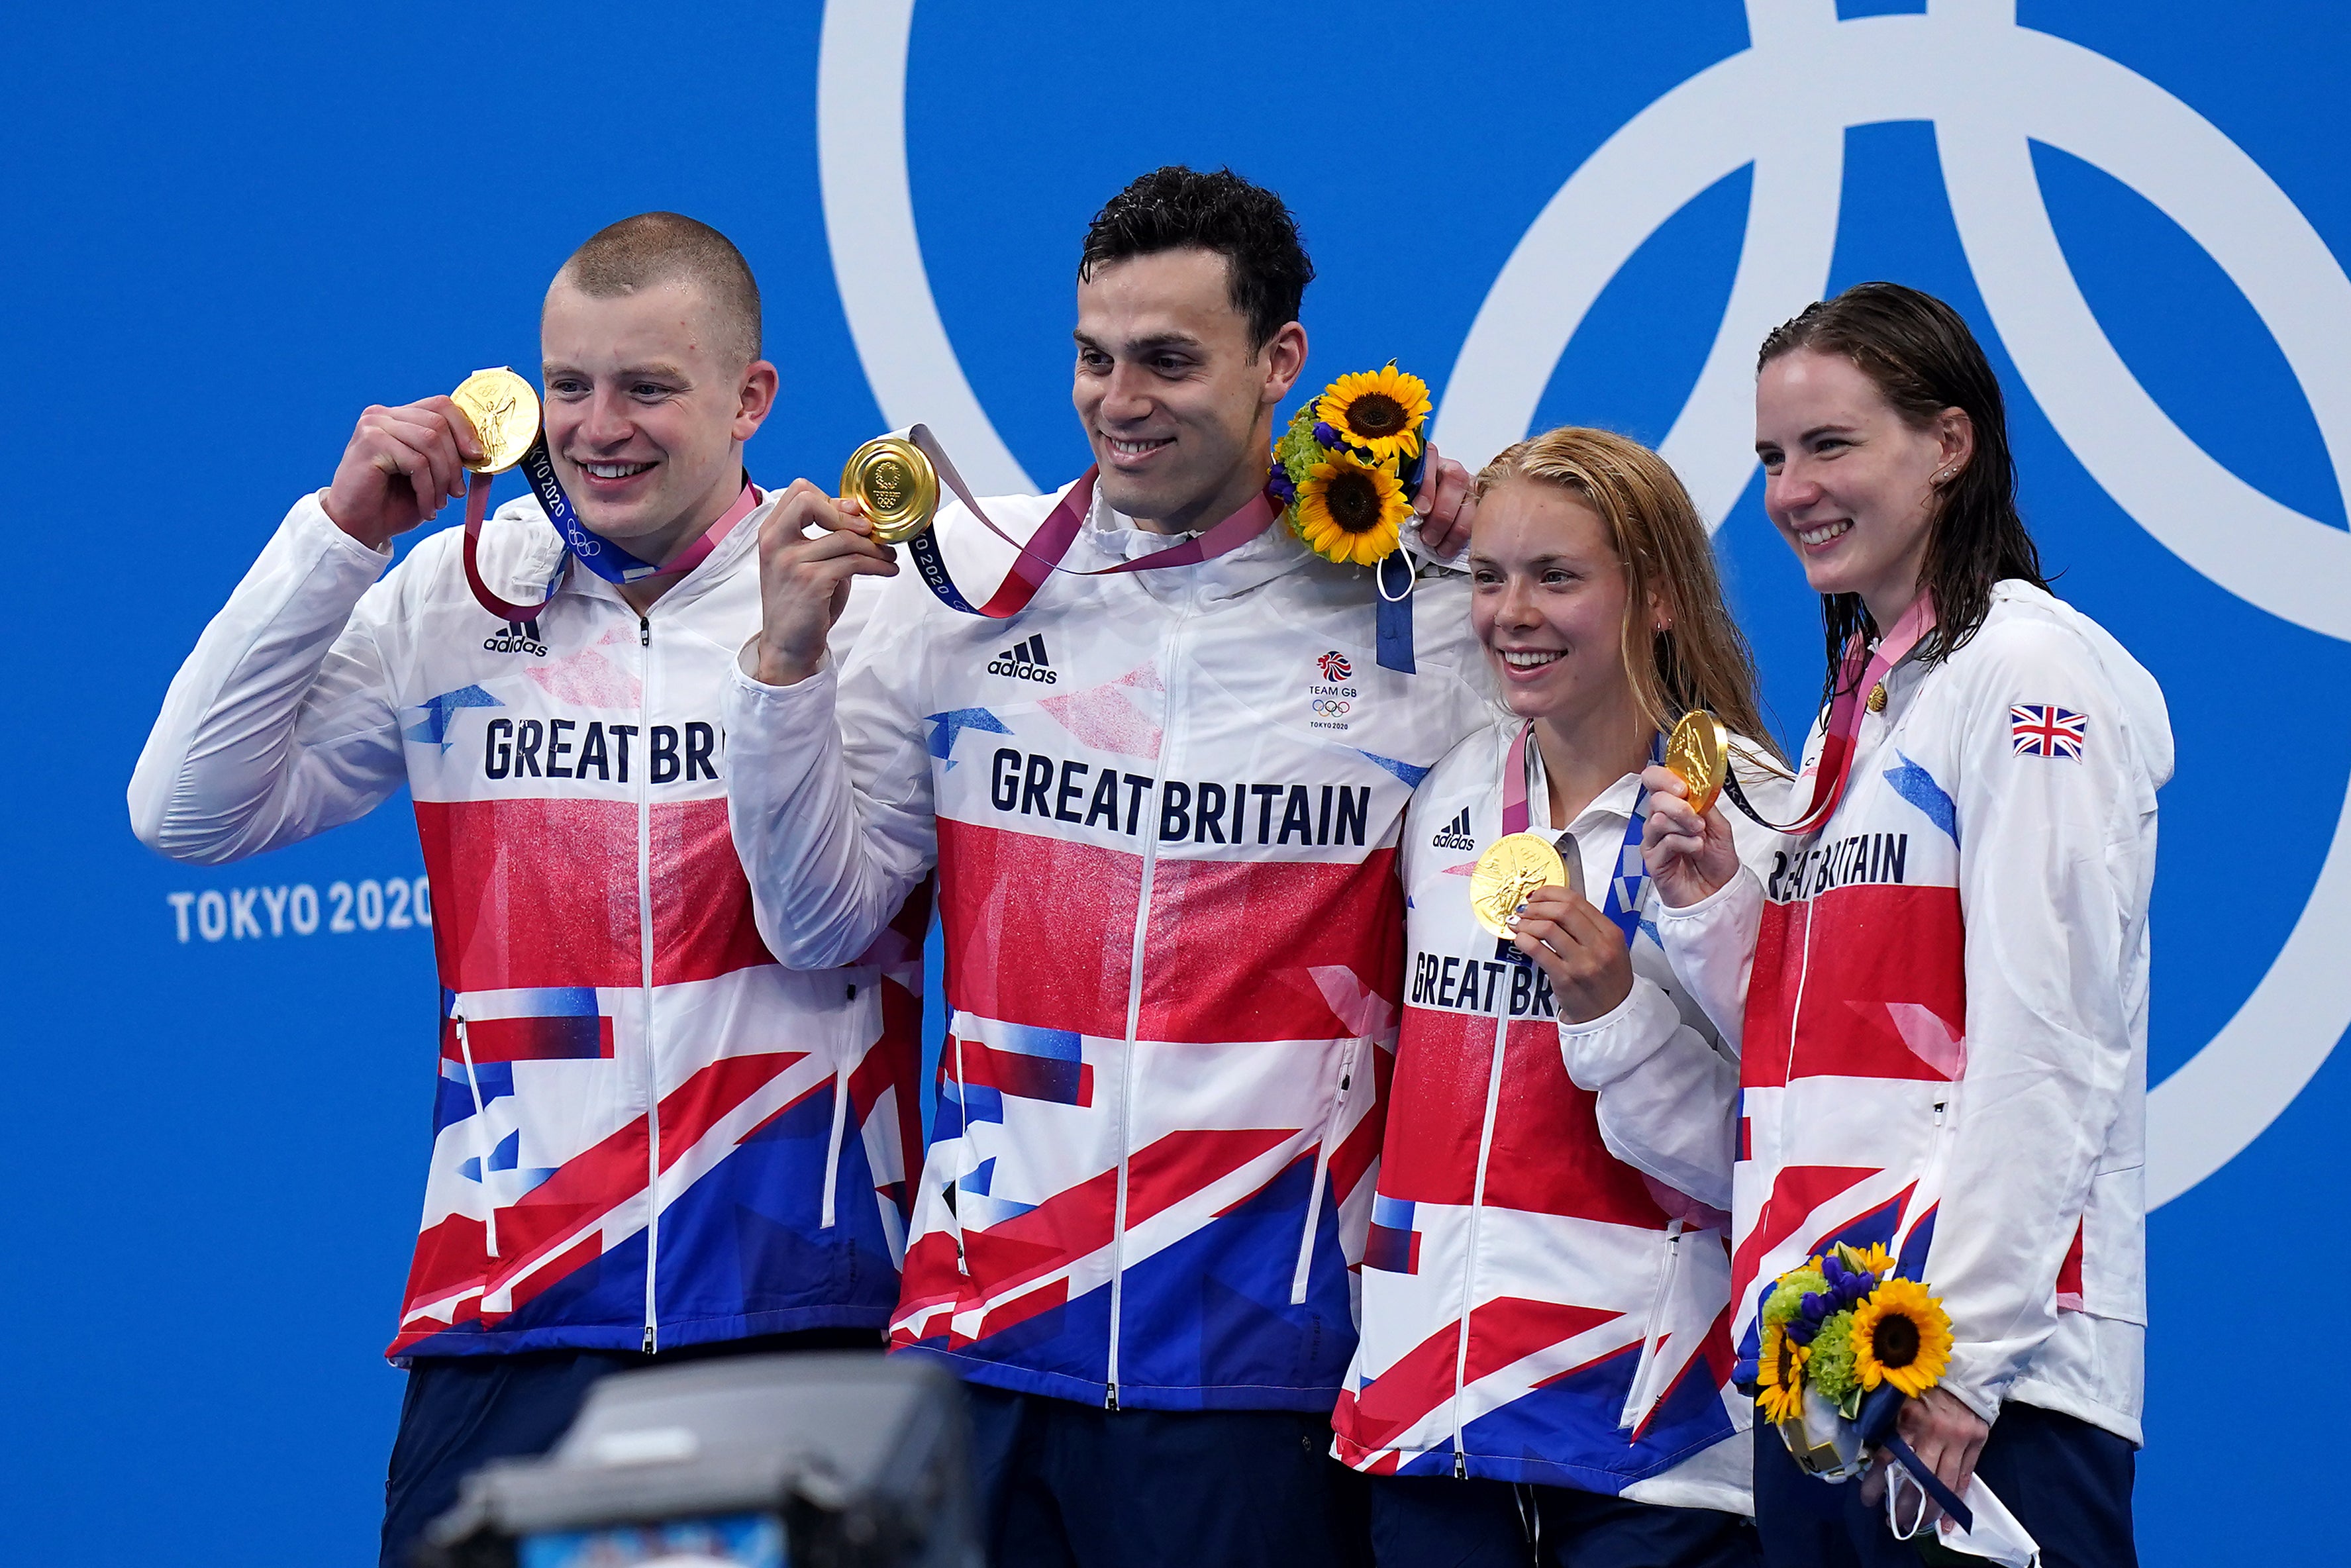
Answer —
1544 1360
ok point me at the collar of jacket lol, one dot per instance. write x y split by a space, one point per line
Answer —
1111 538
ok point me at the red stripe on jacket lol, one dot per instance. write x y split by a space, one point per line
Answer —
1894 944
1041 931
1548 1156
544 893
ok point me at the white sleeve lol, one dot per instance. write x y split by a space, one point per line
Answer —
2051 882
280 723
829 795
1712 945
1668 1101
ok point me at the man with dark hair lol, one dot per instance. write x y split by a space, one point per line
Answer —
1162 802
649 1139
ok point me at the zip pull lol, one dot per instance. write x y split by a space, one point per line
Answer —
1110 1397
1460 1466
649 1339
644 632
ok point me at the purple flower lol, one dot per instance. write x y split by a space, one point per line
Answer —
1329 438
1279 483
1800 1329
1817 1306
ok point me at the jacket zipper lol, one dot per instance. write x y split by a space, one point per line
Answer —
1298 1280
645 964
481 1141
1638 1400
1470 1262
1171 706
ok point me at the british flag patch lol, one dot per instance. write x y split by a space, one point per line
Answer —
2035 731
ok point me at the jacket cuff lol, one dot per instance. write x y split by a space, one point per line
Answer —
806 702
1706 906
1602 1050
309 525
1979 1388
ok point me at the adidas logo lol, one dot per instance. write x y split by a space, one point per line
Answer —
1025 662
518 637
1455 835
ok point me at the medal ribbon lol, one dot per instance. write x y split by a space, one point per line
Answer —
1041 556
600 555
1858 674
1630 879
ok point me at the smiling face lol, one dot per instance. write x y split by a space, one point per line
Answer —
1849 482
1177 408
647 410
1548 594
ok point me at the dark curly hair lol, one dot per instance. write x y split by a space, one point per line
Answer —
1175 208
1922 359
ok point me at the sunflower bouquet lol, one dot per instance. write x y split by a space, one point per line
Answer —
1835 1331
1347 466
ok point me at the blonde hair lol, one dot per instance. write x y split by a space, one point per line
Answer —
1699 659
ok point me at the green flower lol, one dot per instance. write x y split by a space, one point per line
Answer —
1296 451
1787 1298
1830 1368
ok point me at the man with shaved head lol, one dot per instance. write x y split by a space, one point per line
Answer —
650 1140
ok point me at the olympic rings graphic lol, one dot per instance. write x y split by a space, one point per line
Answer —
1330 706
1991 87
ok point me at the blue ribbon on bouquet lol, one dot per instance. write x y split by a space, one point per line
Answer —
1879 1408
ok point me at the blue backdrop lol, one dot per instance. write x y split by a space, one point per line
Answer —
233 228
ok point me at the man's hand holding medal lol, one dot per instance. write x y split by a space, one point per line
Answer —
402 466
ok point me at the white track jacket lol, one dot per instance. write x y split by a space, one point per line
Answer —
646 1133
1944 1005
1535 1308
1162 806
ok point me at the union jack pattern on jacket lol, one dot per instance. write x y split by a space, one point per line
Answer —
1595 1295
1172 929
645 1132
1945 1031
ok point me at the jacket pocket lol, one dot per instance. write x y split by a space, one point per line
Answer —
1342 1096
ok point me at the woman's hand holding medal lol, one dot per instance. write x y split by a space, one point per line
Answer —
1580 948
402 466
1691 856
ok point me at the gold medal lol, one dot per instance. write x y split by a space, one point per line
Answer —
505 414
1697 753
897 484
1515 865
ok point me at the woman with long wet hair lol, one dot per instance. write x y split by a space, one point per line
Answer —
1544 1368
1939 988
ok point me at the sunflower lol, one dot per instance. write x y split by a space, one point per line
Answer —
1779 1376
1379 411
1901 1335
1350 512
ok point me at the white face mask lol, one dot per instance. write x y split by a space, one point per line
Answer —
1996 1536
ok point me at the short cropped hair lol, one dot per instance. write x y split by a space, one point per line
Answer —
656 248
1175 208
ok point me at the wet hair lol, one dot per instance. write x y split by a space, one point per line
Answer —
656 248
1918 353
1175 208
1700 659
